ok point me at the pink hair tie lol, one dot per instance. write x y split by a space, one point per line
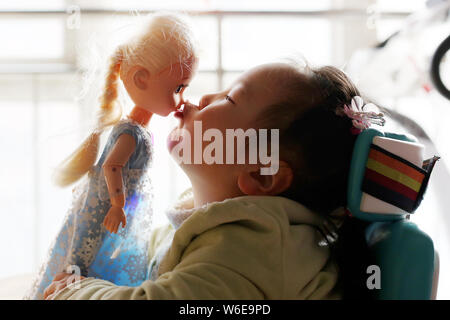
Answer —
361 120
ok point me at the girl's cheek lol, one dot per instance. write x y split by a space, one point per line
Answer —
210 120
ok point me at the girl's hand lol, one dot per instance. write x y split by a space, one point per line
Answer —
114 217
60 281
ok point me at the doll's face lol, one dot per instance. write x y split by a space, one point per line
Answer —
160 93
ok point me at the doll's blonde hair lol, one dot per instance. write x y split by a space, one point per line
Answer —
165 39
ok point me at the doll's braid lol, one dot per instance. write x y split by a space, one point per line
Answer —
84 157
110 111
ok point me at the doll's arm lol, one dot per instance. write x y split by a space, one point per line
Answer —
112 168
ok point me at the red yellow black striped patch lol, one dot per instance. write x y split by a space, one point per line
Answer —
395 180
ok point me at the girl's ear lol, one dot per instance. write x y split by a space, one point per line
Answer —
251 182
141 76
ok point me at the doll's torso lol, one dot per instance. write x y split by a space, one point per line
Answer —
84 242
127 247
142 155
136 171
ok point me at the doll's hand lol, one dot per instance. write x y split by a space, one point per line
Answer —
115 216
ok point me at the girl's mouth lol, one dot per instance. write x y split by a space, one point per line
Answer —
178 114
184 111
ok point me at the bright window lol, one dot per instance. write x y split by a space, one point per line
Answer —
45 66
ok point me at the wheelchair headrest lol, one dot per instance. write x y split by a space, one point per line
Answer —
388 176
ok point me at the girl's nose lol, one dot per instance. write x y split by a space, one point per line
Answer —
204 101
188 108
190 105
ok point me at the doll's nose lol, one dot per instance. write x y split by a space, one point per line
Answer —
180 102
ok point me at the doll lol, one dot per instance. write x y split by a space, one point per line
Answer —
105 232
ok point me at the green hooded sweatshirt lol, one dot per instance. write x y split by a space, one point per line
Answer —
250 247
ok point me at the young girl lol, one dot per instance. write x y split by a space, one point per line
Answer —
105 233
240 234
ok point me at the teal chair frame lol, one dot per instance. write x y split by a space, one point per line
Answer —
404 254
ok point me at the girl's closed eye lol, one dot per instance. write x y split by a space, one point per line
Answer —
229 99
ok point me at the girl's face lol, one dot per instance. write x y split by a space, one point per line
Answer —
236 107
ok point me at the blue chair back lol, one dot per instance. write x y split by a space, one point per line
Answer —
378 193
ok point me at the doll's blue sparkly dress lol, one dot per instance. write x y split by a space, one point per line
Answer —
84 242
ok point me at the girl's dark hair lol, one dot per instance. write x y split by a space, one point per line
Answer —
318 144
